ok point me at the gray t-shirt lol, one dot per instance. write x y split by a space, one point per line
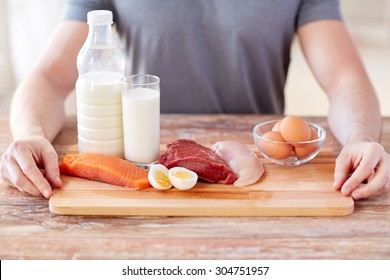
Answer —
213 56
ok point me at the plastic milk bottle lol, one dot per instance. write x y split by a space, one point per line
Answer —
101 65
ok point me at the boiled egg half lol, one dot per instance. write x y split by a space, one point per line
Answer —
158 177
182 178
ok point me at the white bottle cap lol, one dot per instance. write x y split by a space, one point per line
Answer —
99 17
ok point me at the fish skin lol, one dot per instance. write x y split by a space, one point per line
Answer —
106 169
245 164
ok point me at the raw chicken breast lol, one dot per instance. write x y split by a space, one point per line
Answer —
244 163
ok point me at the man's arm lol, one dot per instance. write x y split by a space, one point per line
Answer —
354 111
37 112
38 105
354 114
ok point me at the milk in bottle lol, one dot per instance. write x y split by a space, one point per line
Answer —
101 65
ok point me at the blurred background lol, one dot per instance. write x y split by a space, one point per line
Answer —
25 26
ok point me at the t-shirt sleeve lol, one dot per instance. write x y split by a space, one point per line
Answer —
78 9
312 10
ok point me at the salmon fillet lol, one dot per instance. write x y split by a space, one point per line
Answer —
106 169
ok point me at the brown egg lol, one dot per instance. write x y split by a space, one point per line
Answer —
275 150
276 126
302 151
294 129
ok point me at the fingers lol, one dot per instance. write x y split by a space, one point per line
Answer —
3 173
369 164
379 183
342 169
50 160
19 180
362 172
19 166
29 168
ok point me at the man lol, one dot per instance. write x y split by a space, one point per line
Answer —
215 56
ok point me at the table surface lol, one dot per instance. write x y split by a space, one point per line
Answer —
30 231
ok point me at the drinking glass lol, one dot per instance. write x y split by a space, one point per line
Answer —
141 118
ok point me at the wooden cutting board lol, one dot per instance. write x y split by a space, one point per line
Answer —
304 190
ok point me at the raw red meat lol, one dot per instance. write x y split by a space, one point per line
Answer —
202 160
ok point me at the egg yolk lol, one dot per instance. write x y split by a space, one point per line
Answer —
162 179
182 175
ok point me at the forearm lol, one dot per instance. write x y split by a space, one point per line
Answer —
37 113
362 167
354 113
38 105
37 109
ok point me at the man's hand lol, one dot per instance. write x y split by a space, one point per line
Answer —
31 165
362 170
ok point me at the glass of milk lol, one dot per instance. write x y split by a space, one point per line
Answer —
141 118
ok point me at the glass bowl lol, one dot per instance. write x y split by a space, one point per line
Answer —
301 152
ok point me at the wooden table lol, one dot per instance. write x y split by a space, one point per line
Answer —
30 231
